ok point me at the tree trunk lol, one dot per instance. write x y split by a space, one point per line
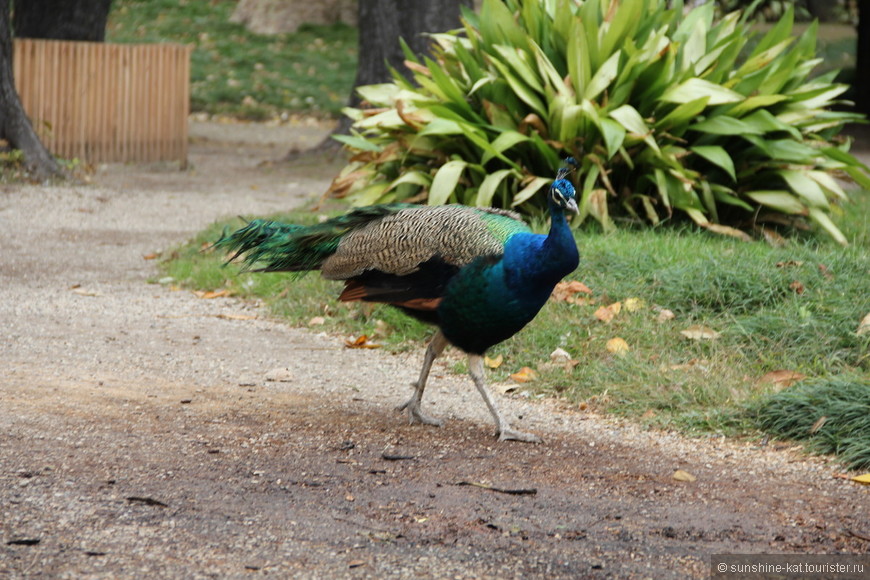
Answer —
15 127
862 60
381 24
61 19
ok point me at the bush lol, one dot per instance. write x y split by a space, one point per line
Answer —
668 114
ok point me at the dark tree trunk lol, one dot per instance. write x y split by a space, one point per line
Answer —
15 127
381 24
862 61
61 19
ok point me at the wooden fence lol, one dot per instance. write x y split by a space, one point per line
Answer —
106 102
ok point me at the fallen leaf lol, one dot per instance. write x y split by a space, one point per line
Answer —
212 294
781 378
797 287
356 563
698 332
681 475
361 342
818 424
665 315
86 292
237 316
773 238
789 264
634 304
317 321
617 346
823 270
864 325
607 313
282 375
524 375
863 478
151 256
728 231
560 355
493 363
503 388
567 291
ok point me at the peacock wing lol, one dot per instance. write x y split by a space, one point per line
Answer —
403 242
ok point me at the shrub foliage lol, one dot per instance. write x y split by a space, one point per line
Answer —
669 114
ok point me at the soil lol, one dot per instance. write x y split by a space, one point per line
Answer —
140 436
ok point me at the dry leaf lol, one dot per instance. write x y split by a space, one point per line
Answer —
789 263
86 292
681 475
781 378
797 287
560 355
493 363
524 375
212 294
863 478
361 342
820 422
503 388
634 304
566 291
151 256
317 321
773 238
728 231
698 332
665 315
607 313
864 326
617 346
823 270
282 375
237 316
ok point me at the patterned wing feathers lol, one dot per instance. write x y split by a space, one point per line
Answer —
399 243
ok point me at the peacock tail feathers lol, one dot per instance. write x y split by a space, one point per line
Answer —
391 238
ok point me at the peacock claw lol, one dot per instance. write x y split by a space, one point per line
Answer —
415 415
514 435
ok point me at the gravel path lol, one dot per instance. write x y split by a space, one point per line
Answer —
140 437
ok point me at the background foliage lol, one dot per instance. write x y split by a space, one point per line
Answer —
666 112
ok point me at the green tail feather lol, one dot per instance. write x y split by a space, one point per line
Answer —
267 246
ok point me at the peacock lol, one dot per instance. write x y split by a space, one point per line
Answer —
478 274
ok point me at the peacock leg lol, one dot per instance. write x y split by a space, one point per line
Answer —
505 432
435 348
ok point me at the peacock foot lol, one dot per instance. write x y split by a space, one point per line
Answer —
508 434
415 415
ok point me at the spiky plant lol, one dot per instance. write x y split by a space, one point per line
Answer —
663 110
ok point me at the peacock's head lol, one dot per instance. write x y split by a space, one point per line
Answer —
562 193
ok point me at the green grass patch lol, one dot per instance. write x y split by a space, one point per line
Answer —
832 415
236 72
792 308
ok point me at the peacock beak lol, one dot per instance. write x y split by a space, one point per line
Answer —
571 206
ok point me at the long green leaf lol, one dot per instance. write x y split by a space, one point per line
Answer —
529 191
445 181
490 184
695 88
716 155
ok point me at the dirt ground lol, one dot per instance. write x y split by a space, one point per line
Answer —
140 437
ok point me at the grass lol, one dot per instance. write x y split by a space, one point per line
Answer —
236 72
792 308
